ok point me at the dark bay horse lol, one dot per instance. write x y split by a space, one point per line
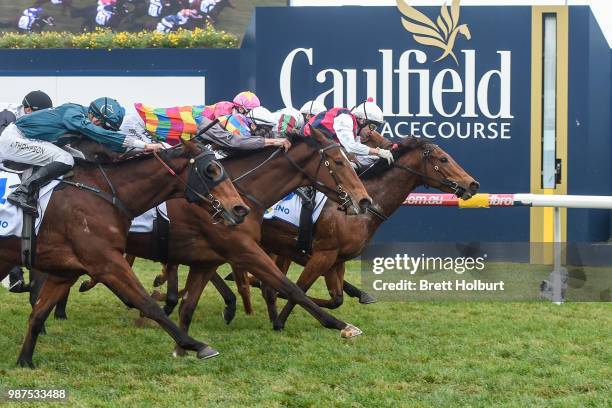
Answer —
338 238
263 177
82 233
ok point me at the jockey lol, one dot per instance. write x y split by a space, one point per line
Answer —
32 102
237 131
105 14
31 140
171 124
29 17
155 8
173 21
312 108
288 120
242 103
346 125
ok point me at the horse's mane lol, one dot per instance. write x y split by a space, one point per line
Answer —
98 154
404 146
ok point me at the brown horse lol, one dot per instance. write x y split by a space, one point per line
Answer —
263 177
339 238
85 233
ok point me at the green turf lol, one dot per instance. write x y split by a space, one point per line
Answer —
411 354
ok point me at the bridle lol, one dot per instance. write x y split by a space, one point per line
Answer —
207 196
444 181
343 197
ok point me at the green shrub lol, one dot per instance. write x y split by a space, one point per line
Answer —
106 39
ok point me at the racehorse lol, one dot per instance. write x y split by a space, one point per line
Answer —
263 177
338 238
85 229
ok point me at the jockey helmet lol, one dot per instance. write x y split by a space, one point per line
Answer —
261 116
108 111
37 100
295 114
313 108
246 100
369 111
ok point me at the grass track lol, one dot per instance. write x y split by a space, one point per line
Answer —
411 354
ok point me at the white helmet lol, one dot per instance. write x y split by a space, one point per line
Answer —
261 116
369 111
313 108
295 114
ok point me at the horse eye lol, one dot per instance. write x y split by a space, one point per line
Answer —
339 162
443 160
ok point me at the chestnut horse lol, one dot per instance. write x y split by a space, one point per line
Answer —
85 232
263 177
338 238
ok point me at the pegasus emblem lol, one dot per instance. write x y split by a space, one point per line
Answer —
441 35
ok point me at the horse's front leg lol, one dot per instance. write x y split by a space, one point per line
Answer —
228 297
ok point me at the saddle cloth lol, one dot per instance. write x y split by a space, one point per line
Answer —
11 217
144 222
289 208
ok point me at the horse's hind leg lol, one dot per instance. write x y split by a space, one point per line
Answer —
269 294
54 289
172 290
244 289
60 308
364 297
197 279
228 297
163 276
115 273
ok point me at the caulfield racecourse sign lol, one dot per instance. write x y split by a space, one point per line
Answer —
438 89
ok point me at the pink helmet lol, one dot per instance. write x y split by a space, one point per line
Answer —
247 100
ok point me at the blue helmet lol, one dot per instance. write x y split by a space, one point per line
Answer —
108 111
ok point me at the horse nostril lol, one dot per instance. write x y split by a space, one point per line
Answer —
365 203
474 186
241 210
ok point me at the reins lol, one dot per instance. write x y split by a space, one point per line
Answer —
345 200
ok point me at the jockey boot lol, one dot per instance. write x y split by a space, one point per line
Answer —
24 195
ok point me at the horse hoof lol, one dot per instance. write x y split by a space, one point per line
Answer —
228 314
25 363
20 287
179 352
278 326
158 281
61 317
84 287
207 352
230 277
350 331
366 299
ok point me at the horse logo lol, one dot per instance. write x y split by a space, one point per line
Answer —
441 34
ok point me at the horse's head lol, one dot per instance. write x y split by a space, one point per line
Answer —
331 172
206 184
434 167
373 139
